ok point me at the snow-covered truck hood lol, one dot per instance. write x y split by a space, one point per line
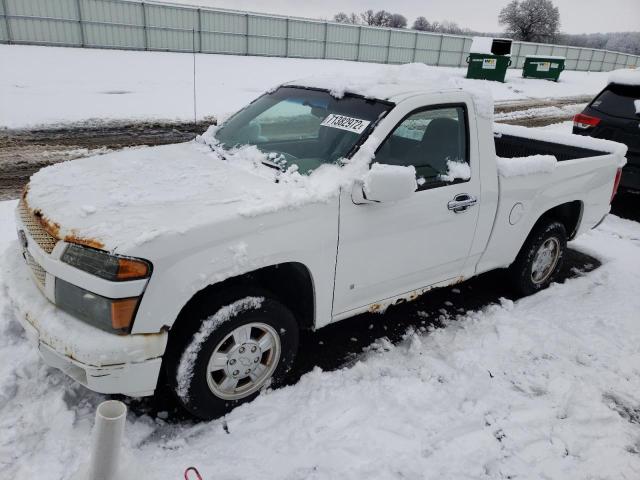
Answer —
124 199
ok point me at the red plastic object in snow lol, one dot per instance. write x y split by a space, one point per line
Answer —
194 470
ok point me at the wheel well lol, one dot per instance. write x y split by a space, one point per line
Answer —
569 214
291 284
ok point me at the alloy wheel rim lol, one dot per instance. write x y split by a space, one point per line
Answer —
243 361
545 260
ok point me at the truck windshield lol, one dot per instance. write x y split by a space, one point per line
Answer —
302 127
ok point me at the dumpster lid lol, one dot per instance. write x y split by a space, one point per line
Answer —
491 46
481 45
549 57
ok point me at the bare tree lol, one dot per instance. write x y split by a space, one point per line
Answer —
368 17
421 24
382 18
531 20
398 21
343 17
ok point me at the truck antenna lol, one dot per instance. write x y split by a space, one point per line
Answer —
195 116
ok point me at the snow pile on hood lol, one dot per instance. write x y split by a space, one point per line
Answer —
393 80
626 76
519 166
128 198
597 144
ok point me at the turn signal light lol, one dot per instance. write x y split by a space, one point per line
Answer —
129 269
585 121
122 312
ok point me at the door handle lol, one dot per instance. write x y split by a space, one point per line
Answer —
462 202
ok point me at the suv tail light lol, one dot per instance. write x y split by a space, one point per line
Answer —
616 183
585 121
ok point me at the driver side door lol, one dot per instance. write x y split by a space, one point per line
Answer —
391 249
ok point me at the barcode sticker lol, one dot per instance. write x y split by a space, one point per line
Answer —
350 124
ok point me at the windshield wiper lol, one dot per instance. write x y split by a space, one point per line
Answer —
273 165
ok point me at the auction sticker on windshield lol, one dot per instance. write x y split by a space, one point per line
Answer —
350 124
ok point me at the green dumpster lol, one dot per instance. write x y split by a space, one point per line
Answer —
541 66
489 58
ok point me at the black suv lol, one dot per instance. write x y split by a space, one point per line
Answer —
615 115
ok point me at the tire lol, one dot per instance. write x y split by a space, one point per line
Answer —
237 326
531 273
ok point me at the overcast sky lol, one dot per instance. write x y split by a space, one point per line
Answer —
576 16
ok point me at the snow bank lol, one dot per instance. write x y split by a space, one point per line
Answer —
625 77
226 313
518 166
88 85
606 146
392 80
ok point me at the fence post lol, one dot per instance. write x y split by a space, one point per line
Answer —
246 29
144 26
324 49
199 30
388 46
6 21
415 48
439 50
286 38
593 52
80 23
359 40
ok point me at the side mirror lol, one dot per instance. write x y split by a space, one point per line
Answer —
389 183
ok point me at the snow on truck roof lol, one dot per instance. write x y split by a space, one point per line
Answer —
628 76
395 82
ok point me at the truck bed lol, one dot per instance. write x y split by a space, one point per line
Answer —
512 146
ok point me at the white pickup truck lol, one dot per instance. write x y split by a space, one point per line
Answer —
310 205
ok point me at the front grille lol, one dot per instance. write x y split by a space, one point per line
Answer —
44 239
38 272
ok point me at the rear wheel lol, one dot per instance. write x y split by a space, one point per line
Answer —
229 352
540 259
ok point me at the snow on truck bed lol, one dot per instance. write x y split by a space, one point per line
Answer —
544 387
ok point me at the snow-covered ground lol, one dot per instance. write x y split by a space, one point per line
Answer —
546 387
45 85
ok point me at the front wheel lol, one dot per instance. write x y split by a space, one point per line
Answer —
540 259
229 353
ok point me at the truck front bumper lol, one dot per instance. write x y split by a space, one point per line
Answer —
101 361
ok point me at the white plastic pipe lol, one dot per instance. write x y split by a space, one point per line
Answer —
107 440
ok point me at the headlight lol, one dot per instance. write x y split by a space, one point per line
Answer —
105 313
105 265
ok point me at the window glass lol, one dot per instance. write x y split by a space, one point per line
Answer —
303 127
434 141
618 100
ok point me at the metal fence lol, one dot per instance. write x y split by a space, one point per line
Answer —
135 25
